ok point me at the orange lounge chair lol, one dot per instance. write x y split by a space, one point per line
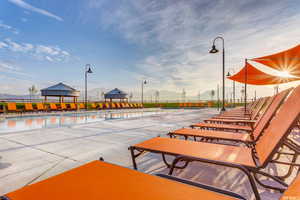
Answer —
100 180
118 105
239 113
53 107
107 105
40 107
248 139
12 107
93 106
235 124
28 107
113 105
251 161
100 106
123 105
81 106
63 106
255 117
72 106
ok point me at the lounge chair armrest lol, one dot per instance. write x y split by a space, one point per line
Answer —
200 185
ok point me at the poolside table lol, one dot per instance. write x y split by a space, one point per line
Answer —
99 180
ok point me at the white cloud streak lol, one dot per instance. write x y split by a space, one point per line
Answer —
29 7
42 52
8 27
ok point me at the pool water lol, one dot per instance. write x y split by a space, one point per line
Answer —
23 123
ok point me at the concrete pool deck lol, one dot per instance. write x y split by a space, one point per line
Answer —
30 156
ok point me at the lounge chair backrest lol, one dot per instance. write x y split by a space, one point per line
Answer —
258 108
262 111
293 191
270 112
28 106
122 105
93 105
53 106
72 106
100 105
81 106
113 105
279 127
107 105
40 106
63 106
11 106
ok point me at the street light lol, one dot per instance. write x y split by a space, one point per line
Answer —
143 83
233 87
87 71
215 50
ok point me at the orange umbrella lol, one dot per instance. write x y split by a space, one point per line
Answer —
251 75
285 61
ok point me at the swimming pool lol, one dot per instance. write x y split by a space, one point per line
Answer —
22 123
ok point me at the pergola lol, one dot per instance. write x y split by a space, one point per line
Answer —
116 94
60 90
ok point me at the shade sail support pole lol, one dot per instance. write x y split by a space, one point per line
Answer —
245 91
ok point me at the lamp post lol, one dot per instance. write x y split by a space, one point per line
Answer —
143 83
86 71
215 50
233 87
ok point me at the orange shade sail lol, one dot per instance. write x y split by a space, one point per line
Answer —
254 76
288 61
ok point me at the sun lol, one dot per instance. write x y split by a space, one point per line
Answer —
284 74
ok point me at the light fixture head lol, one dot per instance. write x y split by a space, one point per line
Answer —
228 74
214 49
89 70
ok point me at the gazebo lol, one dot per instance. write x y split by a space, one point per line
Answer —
116 94
60 90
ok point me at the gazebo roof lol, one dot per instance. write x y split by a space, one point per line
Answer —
60 86
115 94
60 89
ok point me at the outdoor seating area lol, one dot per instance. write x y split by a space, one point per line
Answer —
13 107
268 140
247 138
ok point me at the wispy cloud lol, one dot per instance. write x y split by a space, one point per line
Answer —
29 7
42 52
178 35
8 27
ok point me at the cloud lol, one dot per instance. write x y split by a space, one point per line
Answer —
42 52
29 7
9 28
10 68
178 35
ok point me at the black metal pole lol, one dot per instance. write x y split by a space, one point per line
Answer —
142 100
218 98
233 93
223 100
246 79
85 98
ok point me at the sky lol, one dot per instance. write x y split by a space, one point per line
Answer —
165 42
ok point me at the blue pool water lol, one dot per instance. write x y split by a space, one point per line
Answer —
14 124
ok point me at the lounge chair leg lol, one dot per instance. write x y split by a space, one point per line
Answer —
133 158
272 177
175 161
